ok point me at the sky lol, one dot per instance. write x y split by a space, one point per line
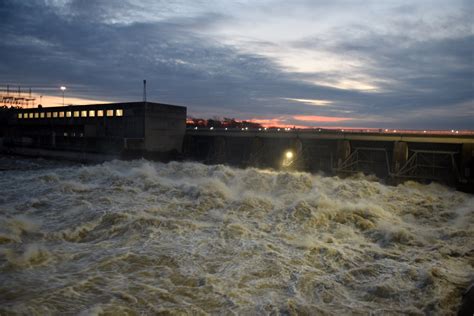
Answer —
378 64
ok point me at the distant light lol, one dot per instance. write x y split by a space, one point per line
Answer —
211 128
246 128
319 130
452 131
424 131
63 88
265 128
386 129
394 130
278 129
457 132
243 128
289 155
342 130
259 129
226 128
196 127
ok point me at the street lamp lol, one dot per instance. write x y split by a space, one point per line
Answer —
63 88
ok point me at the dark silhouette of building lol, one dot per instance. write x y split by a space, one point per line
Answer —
117 128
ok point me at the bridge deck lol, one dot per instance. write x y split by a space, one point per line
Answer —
414 137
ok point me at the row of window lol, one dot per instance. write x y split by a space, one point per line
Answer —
85 113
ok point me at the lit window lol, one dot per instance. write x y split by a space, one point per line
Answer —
20 115
76 113
91 113
61 114
68 114
55 114
119 112
100 112
65 134
42 114
110 112
36 115
48 114
83 113
30 115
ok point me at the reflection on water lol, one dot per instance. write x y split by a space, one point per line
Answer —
144 237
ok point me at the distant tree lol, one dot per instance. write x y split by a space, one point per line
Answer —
217 122
214 123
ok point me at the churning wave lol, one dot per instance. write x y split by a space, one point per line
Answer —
142 237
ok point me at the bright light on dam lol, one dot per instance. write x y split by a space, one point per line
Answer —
288 158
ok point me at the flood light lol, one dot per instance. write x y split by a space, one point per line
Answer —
288 158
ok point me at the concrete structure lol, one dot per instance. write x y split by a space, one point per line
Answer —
392 156
108 130
158 131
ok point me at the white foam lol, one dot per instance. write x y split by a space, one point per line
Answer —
148 237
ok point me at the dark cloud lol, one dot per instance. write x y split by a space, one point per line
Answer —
184 67
418 74
101 54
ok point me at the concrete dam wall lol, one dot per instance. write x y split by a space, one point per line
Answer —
158 131
446 159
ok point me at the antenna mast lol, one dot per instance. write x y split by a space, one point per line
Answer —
144 90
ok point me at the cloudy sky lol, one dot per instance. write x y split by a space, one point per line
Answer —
384 64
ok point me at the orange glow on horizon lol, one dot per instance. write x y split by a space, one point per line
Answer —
284 121
51 101
320 119
276 122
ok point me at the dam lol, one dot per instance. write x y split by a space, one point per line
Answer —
446 158
158 131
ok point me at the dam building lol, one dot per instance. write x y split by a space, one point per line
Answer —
106 130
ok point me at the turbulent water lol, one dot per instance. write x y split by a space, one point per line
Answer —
142 237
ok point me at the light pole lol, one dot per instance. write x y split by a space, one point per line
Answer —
63 88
